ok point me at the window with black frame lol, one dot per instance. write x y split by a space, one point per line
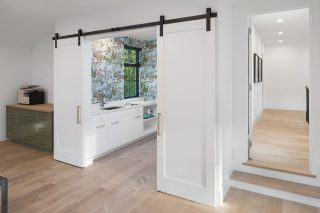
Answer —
131 71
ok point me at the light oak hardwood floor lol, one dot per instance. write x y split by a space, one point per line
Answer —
121 182
281 141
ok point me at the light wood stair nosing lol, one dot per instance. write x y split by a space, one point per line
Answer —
277 184
275 193
273 168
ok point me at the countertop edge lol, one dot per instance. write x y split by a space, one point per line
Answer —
35 108
101 112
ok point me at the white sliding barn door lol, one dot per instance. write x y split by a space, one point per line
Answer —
68 69
186 103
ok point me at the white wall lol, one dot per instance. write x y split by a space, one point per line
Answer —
24 66
152 9
15 71
257 89
42 66
286 72
241 11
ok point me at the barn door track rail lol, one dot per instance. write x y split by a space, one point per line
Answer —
208 15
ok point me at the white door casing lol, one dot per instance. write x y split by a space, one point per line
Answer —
186 146
250 88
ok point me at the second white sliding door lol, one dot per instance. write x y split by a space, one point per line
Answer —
186 106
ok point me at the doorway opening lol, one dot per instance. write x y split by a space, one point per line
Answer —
121 118
123 89
279 60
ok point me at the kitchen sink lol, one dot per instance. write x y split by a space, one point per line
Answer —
112 108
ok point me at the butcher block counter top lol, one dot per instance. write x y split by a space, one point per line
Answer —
37 108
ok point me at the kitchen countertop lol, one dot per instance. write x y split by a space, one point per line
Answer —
98 111
38 107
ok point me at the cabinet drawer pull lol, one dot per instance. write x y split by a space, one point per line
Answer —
138 116
101 126
115 122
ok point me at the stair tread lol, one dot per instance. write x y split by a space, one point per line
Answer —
278 168
282 185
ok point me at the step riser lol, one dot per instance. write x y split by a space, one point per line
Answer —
279 175
276 193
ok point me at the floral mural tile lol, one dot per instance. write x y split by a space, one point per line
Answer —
108 68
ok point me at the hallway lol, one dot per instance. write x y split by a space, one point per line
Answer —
281 141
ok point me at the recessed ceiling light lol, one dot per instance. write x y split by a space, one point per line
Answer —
280 41
279 20
280 33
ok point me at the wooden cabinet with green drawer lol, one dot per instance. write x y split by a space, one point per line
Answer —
31 125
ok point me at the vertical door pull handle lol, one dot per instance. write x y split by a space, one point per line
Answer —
158 124
78 114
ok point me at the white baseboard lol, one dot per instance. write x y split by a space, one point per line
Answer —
226 189
276 193
257 118
285 107
88 162
3 137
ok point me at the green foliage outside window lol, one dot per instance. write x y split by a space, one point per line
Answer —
129 56
131 72
129 82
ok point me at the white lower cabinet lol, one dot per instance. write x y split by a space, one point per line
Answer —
115 129
115 136
134 127
101 135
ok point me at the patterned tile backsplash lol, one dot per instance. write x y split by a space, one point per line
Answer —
107 68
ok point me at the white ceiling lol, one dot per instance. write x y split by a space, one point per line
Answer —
143 35
22 22
295 26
